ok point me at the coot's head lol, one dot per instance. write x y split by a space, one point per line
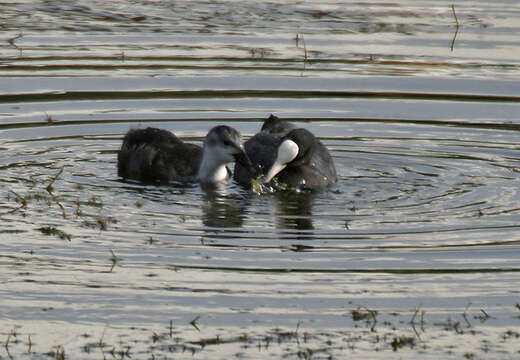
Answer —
274 125
295 149
225 145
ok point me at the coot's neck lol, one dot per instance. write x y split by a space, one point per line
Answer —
211 169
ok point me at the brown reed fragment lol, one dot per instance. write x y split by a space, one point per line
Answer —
457 25
50 187
114 260
455 15
299 38
13 39
6 344
465 317
412 321
49 119
29 344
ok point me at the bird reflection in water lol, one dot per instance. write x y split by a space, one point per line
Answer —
292 213
223 211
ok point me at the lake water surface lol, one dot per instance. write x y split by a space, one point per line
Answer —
414 253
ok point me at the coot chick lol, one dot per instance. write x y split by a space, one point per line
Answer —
291 155
154 155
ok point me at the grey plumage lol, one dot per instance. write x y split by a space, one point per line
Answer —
155 155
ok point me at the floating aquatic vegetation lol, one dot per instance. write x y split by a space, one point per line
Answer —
402 341
257 185
260 187
51 230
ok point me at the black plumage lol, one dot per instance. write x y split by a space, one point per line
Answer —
311 168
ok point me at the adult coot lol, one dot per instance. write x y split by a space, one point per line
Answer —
291 155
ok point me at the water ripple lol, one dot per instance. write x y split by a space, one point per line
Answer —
414 251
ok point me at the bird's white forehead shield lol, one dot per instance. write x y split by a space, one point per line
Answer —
287 151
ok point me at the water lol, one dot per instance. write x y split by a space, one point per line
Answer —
414 251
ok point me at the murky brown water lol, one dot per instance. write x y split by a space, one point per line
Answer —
414 253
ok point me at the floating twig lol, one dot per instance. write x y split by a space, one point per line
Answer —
296 332
300 38
6 344
483 317
13 39
101 343
194 323
50 187
49 119
451 47
412 321
457 25
455 16
304 49
465 317
63 213
20 198
114 260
